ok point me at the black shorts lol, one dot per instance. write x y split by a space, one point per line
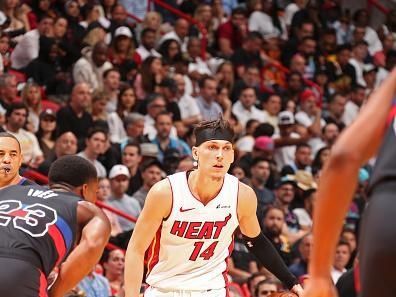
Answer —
19 278
377 243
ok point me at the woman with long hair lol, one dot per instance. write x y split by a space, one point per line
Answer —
170 49
151 74
99 102
126 104
225 75
31 97
46 134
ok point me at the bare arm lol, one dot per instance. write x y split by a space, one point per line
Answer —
147 225
356 144
95 235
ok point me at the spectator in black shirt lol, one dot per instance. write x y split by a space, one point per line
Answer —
74 117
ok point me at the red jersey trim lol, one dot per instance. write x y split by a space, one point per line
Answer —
225 272
153 251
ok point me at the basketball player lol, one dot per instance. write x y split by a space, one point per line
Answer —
41 227
192 217
11 161
356 145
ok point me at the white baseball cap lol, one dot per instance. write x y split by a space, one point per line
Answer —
123 31
119 170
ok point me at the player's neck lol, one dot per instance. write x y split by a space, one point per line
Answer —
204 187
12 182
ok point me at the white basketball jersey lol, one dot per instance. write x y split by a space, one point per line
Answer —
192 245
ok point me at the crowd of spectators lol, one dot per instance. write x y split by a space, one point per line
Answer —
81 77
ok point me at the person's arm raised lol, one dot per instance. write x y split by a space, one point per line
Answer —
94 237
157 206
338 182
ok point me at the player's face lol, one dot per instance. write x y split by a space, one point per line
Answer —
90 190
10 158
214 157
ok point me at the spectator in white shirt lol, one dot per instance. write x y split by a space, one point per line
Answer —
341 259
146 48
179 33
244 108
352 107
27 48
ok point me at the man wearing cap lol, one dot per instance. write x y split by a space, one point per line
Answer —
119 182
310 115
287 139
263 148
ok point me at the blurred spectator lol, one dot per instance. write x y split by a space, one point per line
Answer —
46 134
389 64
164 140
245 109
253 280
310 115
131 158
266 21
16 117
46 70
113 264
302 160
125 105
152 20
263 147
349 236
330 134
265 288
320 158
246 142
155 105
186 163
8 90
95 285
170 51
31 97
342 256
248 54
295 86
355 102
359 55
197 67
119 182
291 9
94 146
206 101
305 213
179 33
151 74
65 144
27 48
336 109
189 110
225 75
74 116
286 140
232 33
259 174
361 20
147 44
103 194
4 52
300 268
223 99
98 109
341 72
298 64
151 174
168 89
370 77
271 107
91 66
272 225
111 85
134 127
251 78
122 48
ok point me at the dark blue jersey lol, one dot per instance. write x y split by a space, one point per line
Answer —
39 222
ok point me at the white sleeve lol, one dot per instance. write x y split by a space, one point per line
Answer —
303 119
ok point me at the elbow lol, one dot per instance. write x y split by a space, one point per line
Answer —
344 157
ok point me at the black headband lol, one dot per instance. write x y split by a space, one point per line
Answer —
213 134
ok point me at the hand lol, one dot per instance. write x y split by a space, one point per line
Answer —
297 289
320 287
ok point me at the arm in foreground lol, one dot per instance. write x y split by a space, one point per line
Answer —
355 145
94 237
157 206
257 243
